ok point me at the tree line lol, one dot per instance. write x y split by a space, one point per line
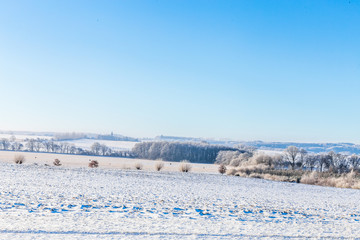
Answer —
50 146
178 151
294 158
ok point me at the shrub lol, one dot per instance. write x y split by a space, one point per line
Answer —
57 162
19 159
236 162
222 169
263 159
256 175
240 174
276 178
231 171
185 166
139 166
309 178
159 165
93 164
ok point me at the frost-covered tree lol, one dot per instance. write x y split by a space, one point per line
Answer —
37 145
246 148
311 161
30 144
177 151
95 148
46 145
303 155
232 158
53 146
64 147
324 162
340 163
104 150
291 153
5 144
16 146
354 162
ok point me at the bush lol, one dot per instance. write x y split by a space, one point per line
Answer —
19 159
232 158
93 164
185 166
222 169
139 166
57 162
309 178
231 171
159 165
263 159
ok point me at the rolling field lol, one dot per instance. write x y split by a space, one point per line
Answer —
42 202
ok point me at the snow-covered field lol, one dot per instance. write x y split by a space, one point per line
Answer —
39 202
114 145
22 137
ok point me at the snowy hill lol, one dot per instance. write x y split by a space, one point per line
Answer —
39 202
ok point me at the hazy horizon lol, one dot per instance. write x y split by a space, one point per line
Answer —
284 71
14 132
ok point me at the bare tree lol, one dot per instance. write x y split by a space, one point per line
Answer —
331 160
291 154
46 145
324 162
303 155
311 161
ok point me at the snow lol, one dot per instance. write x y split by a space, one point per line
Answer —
22 137
39 202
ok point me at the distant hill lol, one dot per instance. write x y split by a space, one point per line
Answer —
348 148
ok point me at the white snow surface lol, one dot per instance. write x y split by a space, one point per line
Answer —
115 145
39 202
22 137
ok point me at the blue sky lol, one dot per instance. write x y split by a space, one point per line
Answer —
245 70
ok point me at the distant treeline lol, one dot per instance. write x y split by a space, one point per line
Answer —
178 151
76 136
50 146
112 137
69 136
